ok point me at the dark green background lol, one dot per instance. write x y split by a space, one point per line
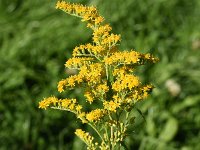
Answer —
36 39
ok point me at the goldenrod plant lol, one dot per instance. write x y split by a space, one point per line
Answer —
108 78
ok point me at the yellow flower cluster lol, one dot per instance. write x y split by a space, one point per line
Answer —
129 58
91 74
77 63
95 115
98 91
69 104
87 138
141 93
101 32
89 50
111 105
118 72
88 14
107 74
125 57
47 102
102 88
125 82
69 82
102 36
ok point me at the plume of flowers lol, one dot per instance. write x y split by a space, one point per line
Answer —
107 74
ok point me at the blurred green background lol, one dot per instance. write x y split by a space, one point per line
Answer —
36 39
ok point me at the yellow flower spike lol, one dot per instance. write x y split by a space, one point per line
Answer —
107 74
76 63
71 82
89 14
46 102
123 58
89 51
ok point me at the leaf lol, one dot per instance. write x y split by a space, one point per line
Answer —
151 127
169 130
132 120
140 112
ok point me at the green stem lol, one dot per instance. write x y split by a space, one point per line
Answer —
107 134
111 137
89 55
96 131
64 109
107 75
109 115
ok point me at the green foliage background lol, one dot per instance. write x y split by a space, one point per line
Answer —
36 39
